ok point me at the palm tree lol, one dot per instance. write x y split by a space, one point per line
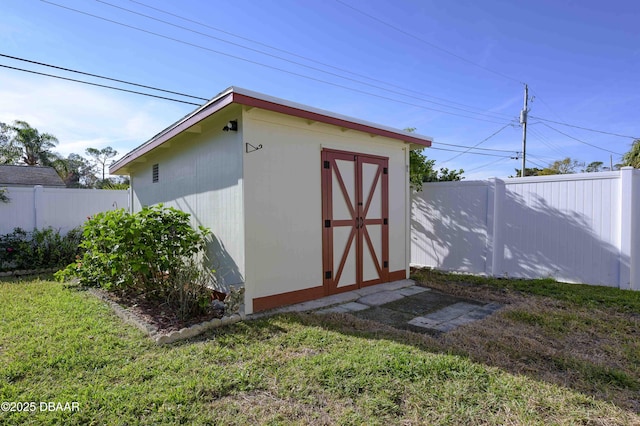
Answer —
35 145
632 158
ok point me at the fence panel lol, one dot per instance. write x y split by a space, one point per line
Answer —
574 228
59 208
449 226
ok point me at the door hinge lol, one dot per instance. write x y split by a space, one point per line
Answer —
327 223
385 264
327 165
384 171
385 221
327 275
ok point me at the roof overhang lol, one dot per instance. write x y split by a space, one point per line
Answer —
236 95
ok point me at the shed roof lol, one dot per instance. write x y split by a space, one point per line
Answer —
237 95
30 176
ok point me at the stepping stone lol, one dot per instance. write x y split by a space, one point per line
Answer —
355 306
380 298
410 291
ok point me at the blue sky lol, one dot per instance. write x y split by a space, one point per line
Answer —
454 70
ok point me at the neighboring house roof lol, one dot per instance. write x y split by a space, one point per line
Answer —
29 176
237 95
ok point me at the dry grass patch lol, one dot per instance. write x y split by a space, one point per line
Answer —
590 346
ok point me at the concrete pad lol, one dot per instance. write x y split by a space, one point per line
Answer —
380 298
410 291
355 306
312 305
451 312
424 322
340 309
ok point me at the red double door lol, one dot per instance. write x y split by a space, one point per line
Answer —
355 212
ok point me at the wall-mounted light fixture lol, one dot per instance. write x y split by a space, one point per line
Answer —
231 125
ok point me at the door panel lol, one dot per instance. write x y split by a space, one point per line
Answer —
355 220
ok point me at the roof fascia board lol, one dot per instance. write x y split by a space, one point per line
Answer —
278 105
174 130
258 100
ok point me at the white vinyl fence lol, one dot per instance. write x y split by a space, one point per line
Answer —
581 228
59 208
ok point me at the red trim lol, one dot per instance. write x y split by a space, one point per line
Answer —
299 296
232 96
359 234
288 298
398 275
309 115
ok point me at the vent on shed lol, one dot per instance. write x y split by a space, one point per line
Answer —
156 173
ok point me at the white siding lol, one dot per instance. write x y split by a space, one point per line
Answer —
201 174
283 203
59 208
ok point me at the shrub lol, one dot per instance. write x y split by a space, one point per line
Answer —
39 249
154 252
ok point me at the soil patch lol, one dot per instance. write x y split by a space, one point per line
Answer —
155 313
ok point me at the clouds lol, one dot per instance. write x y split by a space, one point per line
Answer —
82 117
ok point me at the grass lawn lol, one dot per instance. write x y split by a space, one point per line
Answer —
62 345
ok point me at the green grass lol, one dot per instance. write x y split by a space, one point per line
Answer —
63 345
579 294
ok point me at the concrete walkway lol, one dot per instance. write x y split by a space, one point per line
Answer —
401 304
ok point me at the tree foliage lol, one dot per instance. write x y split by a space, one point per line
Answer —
35 147
21 144
422 169
10 153
565 166
632 157
101 156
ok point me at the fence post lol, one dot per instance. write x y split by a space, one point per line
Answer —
626 230
38 210
495 204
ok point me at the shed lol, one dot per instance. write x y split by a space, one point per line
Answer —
303 202
11 175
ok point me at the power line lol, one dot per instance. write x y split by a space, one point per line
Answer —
306 58
268 66
581 141
191 103
448 52
467 146
295 62
499 160
540 136
467 152
482 141
583 128
98 85
100 76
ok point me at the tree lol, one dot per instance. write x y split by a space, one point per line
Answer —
561 167
528 172
101 156
594 167
9 152
75 171
421 169
35 147
632 158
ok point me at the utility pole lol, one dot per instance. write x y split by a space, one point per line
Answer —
523 121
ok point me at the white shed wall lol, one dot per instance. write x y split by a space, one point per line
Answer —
283 203
201 174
